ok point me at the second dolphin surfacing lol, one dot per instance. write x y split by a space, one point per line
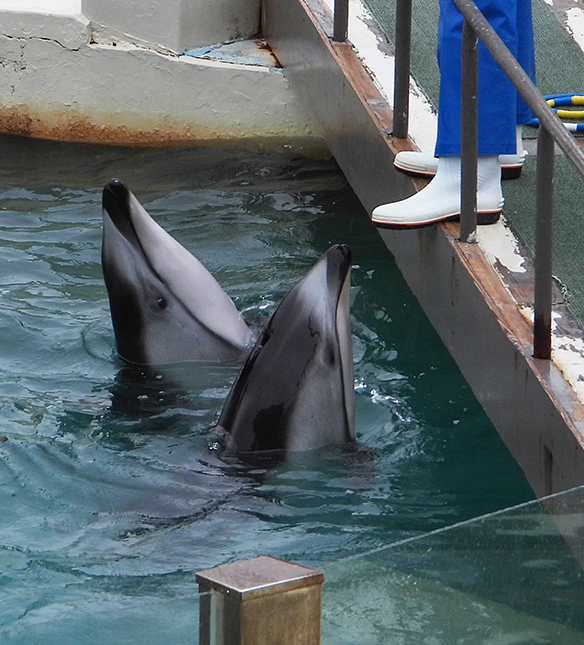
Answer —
165 306
295 391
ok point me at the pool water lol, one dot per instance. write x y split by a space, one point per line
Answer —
111 498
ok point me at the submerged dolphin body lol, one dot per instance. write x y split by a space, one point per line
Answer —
295 391
165 306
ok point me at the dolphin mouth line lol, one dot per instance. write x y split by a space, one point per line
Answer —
166 307
137 246
134 238
343 328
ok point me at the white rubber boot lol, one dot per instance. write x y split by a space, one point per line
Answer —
440 199
425 164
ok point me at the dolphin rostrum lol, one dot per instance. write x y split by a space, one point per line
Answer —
295 390
165 306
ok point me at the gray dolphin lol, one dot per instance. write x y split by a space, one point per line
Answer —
165 306
295 390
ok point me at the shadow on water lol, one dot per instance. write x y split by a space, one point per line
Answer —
111 495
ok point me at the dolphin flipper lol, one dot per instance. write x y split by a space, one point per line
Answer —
295 391
165 306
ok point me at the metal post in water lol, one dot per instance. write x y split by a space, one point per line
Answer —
401 90
469 135
260 601
542 338
341 21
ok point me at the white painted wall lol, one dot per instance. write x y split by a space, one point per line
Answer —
55 7
175 25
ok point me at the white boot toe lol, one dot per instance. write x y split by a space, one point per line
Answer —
440 199
422 164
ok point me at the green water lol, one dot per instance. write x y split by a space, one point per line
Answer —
111 499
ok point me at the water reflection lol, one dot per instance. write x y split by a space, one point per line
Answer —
514 576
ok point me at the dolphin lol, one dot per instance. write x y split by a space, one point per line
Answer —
165 306
295 390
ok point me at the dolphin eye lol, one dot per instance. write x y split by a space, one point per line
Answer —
162 303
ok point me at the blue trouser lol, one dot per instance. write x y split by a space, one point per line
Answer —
500 108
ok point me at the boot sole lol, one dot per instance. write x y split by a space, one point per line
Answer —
483 218
507 172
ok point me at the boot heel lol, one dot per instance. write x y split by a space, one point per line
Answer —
511 172
488 218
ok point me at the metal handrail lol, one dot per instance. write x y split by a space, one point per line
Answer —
551 130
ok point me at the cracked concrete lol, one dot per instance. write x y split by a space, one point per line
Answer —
66 77
70 30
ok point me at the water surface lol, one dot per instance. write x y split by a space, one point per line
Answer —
111 497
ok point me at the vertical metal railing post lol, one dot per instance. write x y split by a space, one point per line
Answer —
401 90
341 21
542 346
469 135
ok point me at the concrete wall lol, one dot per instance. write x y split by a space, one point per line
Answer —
59 81
175 25
108 95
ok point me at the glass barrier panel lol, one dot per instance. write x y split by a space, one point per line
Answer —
512 577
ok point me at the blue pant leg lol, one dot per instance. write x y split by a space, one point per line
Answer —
497 96
525 54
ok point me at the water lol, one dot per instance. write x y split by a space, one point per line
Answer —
111 497
511 577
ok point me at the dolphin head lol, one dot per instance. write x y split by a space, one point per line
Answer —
295 391
165 306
